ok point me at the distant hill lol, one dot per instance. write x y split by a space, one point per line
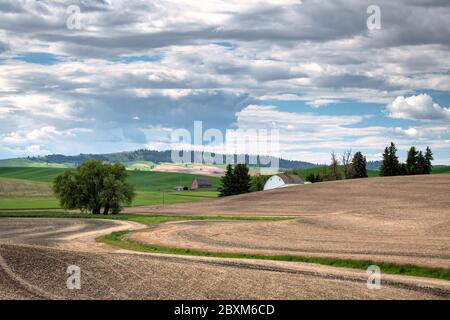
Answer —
373 165
129 157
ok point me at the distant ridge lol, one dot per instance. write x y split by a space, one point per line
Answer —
138 155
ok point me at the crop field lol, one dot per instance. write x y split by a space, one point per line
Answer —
378 218
30 188
306 242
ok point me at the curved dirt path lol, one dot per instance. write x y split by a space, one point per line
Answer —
35 254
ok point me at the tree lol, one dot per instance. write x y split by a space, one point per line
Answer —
65 187
257 183
421 163
235 181
402 171
390 165
428 159
334 173
313 178
241 179
359 166
346 162
93 186
115 189
412 161
226 183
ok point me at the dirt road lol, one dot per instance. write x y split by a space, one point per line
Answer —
35 254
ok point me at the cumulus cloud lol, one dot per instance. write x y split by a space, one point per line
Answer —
317 103
137 64
419 107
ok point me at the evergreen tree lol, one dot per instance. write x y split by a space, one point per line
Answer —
359 166
402 171
235 181
412 161
226 183
421 164
390 165
241 179
428 159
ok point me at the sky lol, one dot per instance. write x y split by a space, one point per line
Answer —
104 76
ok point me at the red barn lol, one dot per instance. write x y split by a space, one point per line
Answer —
201 183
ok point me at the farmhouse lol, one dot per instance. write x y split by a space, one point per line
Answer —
201 183
282 180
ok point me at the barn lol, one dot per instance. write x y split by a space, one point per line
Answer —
282 180
201 183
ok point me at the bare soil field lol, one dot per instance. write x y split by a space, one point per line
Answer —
400 220
35 254
396 197
191 169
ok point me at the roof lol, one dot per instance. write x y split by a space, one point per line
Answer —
290 179
203 182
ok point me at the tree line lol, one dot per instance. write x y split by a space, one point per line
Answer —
417 162
354 167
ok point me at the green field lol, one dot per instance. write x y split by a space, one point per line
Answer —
317 170
441 169
152 188
371 173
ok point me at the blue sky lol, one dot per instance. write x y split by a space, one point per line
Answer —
134 72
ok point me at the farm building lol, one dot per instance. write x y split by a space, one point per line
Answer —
282 180
201 183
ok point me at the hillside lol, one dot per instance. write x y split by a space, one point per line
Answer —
129 158
380 194
381 219
30 188
142 180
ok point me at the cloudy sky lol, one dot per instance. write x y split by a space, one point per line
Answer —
132 71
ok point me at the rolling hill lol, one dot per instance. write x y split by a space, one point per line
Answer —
18 188
129 158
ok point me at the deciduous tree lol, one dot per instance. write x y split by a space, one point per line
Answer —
93 186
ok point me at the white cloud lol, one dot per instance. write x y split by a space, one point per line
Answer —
410 132
317 103
36 105
215 60
420 107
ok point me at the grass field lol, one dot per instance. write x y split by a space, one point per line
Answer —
152 188
148 220
142 180
441 169
317 170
